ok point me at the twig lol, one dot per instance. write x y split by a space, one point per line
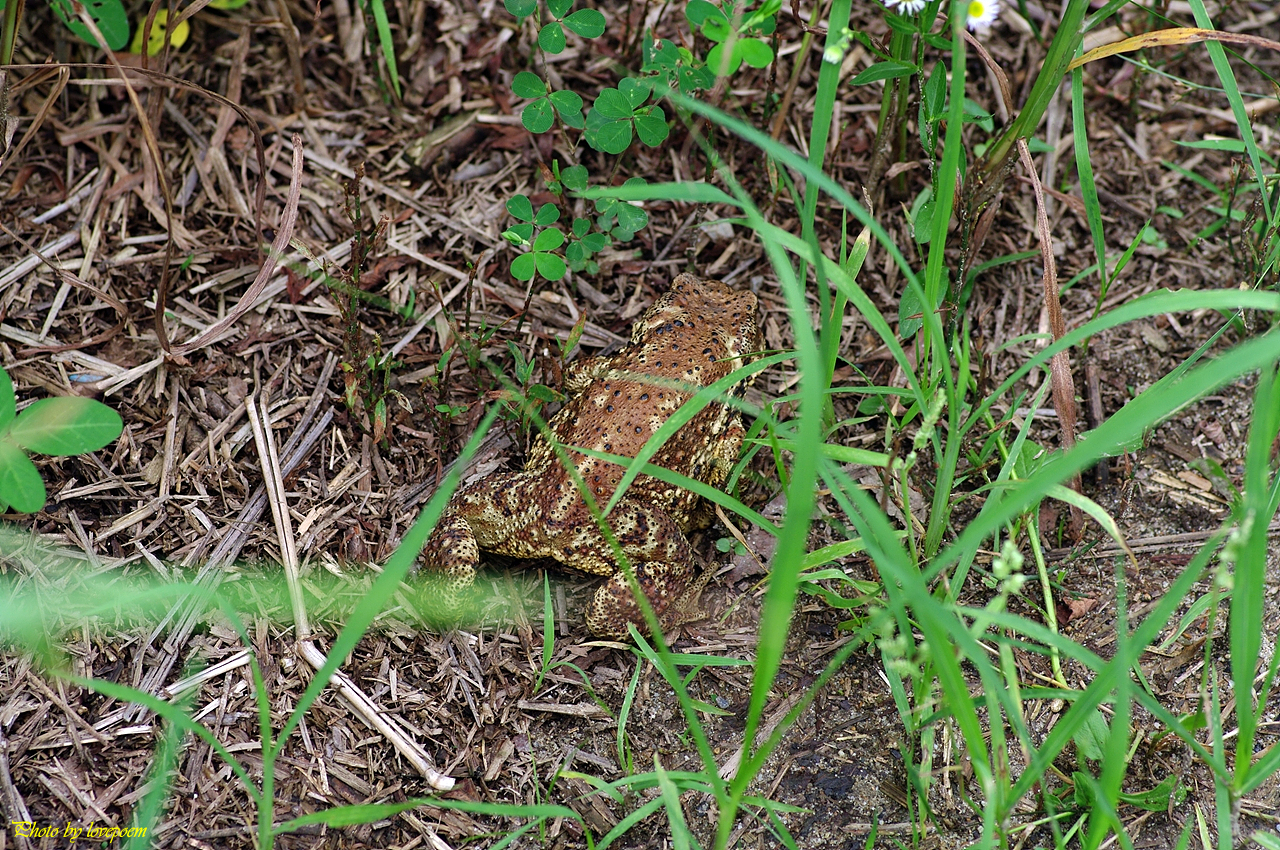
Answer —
1064 393
16 805
38 256
26 264
273 480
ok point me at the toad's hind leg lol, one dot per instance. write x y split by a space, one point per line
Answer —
665 569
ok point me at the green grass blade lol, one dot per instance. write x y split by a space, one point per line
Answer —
1247 553
1088 187
1218 55
385 40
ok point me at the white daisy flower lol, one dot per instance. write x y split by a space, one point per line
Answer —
982 13
911 7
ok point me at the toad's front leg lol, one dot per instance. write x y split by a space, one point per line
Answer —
493 515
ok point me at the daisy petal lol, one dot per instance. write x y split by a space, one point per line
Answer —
982 13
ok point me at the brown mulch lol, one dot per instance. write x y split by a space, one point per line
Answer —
187 491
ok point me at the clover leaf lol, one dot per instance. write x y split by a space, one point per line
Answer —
521 208
630 218
619 114
109 15
583 243
540 113
587 23
159 35
718 25
8 401
575 178
521 9
539 259
568 106
674 67
700 12
551 38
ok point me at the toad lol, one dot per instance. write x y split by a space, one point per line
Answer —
696 333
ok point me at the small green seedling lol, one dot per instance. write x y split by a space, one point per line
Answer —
731 544
624 112
52 426
539 114
539 259
630 218
674 67
734 25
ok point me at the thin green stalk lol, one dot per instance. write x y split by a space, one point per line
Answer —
948 175
937 286
1050 608
1128 425
8 41
779 600
1107 678
1116 748
160 775
819 135
1088 187
950 444
891 129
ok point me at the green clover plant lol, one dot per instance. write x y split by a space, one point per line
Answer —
539 259
587 23
618 117
51 426
671 67
630 218
620 112
541 112
109 16
583 241
731 25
